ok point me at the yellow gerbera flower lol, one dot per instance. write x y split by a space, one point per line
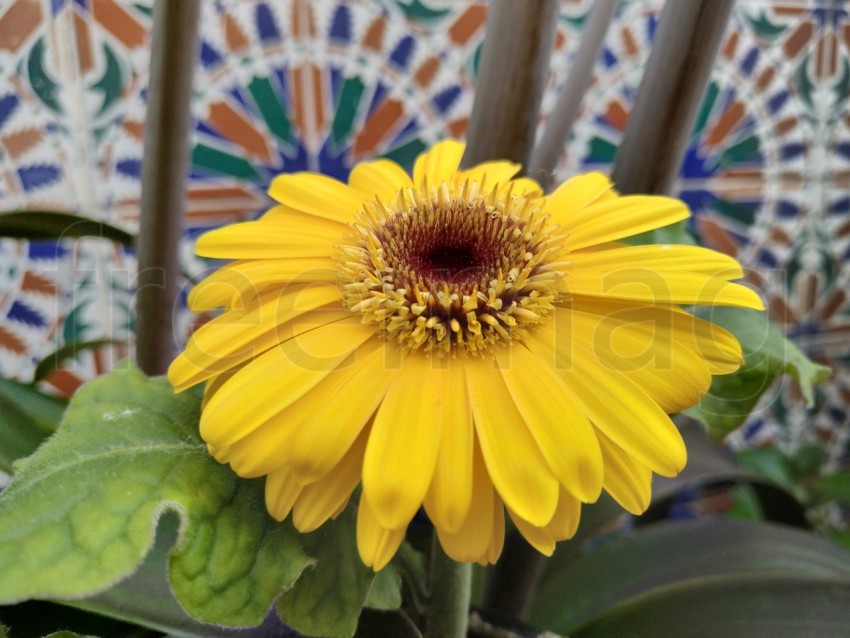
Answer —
454 341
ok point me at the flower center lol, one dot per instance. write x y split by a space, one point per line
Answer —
451 270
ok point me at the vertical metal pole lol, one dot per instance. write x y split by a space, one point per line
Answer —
558 127
174 50
668 99
512 74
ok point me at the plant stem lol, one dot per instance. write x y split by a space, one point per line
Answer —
174 50
451 587
556 133
677 72
512 74
514 578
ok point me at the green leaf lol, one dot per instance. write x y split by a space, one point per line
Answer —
146 597
385 593
835 487
27 417
771 463
767 354
326 600
743 607
614 579
677 233
51 362
52 225
81 513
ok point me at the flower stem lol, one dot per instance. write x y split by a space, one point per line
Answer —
512 74
166 151
451 587
668 99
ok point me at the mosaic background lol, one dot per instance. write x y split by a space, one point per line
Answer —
320 85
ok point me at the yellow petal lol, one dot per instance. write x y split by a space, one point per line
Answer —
659 257
497 539
562 525
565 520
517 468
612 219
382 179
318 195
337 410
402 449
267 240
716 345
450 493
524 186
619 408
322 412
563 434
236 284
234 337
292 217
576 193
281 491
499 172
536 536
662 287
438 163
470 542
626 479
669 370
278 377
322 499
376 544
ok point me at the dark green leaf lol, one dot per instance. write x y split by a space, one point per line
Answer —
767 354
667 557
745 504
327 599
740 607
81 513
53 225
27 417
771 463
52 361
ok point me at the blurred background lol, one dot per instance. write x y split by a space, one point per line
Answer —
289 85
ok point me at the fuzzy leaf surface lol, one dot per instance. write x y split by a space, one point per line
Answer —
81 513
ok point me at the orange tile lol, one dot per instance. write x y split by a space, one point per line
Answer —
467 24
20 142
18 23
119 22
382 120
239 130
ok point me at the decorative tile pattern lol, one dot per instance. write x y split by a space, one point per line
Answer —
322 84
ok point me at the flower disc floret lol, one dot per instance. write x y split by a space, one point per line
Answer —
450 269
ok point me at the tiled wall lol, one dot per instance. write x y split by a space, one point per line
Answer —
286 85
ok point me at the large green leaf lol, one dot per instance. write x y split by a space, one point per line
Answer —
767 354
52 225
658 564
328 598
27 417
745 607
81 513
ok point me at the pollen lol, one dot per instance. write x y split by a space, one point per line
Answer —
453 269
